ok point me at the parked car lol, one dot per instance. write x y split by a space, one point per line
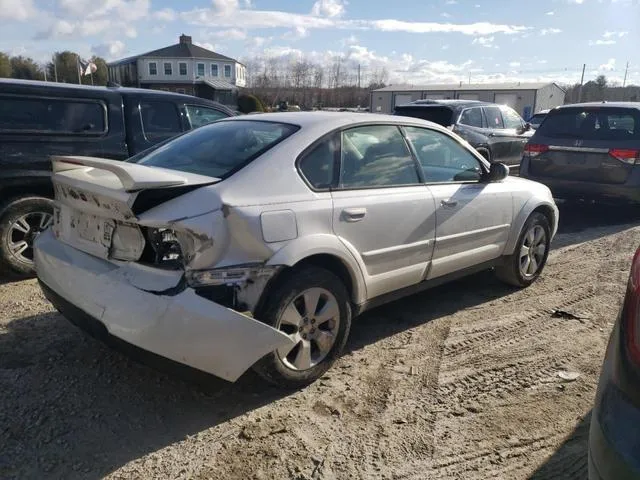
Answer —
614 444
40 119
254 240
587 151
496 131
537 118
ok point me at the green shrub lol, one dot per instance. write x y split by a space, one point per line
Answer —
249 103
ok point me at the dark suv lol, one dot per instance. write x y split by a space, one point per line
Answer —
40 119
587 151
496 131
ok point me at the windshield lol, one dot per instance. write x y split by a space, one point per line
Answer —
592 123
437 114
537 119
218 149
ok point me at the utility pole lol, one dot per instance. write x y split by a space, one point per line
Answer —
469 78
359 76
55 67
584 67
626 70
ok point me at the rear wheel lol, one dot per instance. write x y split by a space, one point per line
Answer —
21 221
312 307
524 266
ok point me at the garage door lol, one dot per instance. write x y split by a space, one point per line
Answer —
510 99
435 96
468 96
402 99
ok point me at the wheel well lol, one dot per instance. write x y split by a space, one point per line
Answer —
15 191
547 212
332 264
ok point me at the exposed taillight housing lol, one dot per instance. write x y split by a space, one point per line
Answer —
631 319
626 155
535 149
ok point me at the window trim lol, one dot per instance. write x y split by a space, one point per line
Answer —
164 68
217 75
481 160
484 109
186 69
97 101
155 66
147 100
204 69
225 71
195 105
484 120
336 161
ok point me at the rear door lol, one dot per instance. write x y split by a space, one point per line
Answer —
514 128
499 138
597 144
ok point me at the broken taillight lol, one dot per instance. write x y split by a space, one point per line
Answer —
535 149
165 249
630 156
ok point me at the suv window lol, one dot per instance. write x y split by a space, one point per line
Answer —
160 120
199 115
317 165
592 123
375 156
472 117
511 118
442 158
494 117
434 113
45 115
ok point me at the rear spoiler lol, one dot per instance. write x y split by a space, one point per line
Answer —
132 176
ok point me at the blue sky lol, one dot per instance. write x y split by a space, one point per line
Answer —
416 41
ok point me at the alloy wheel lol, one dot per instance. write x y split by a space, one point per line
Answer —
533 250
23 232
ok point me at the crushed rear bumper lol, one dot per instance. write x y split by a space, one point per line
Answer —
148 309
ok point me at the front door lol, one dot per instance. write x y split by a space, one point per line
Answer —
382 212
473 218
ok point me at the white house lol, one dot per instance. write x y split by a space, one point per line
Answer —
183 68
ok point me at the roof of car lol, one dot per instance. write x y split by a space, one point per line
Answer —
635 105
457 103
332 119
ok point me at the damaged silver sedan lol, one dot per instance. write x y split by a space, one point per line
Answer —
252 241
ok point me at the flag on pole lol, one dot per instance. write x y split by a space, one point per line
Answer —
86 68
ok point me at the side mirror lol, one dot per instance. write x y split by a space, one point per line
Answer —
498 172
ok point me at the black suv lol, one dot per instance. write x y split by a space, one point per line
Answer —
588 151
40 119
496 131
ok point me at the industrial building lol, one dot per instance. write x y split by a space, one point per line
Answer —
525 98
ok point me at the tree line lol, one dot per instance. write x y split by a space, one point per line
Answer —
63 67
601 89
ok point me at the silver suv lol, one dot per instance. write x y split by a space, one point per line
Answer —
254 241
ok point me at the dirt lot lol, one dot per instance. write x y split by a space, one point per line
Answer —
459 382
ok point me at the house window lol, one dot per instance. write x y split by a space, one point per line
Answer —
183 68
214 70
201 69
168 68
227 71
153 68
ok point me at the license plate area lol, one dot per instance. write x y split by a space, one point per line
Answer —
92 228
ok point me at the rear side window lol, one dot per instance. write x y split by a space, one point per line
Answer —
592 124
199 115
46 115
317 166
511 118
494 117
437 114
160 120
472 117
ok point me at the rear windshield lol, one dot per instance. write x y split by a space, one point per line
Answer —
218 149
537 119
593 123
436 114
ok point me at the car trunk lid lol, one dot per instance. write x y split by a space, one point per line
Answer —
97 210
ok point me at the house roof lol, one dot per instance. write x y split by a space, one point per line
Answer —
219 84
183 49
466 87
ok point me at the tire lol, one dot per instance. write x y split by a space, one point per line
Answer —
18 214
512 270
289 369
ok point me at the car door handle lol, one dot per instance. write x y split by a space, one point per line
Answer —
448 203
354 214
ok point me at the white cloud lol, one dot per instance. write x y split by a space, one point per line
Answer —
121 9
602 42
577 2
109 50
296 34
86 28
17 9
550 13
350 40
165 15
207 45
329 8
451 2
445 47
231 34
484 41
445 15
225 6
549 31
514 64
609 66
615 34
479 28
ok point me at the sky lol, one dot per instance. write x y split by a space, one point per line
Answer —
417 41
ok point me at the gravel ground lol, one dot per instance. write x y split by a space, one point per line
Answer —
458 382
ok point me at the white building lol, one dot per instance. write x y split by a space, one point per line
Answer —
183 68
525 98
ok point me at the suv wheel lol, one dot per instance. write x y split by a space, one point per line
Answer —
524 266
21 221
312 307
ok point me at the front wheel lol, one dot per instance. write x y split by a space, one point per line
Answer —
524 266
312 307
21 221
